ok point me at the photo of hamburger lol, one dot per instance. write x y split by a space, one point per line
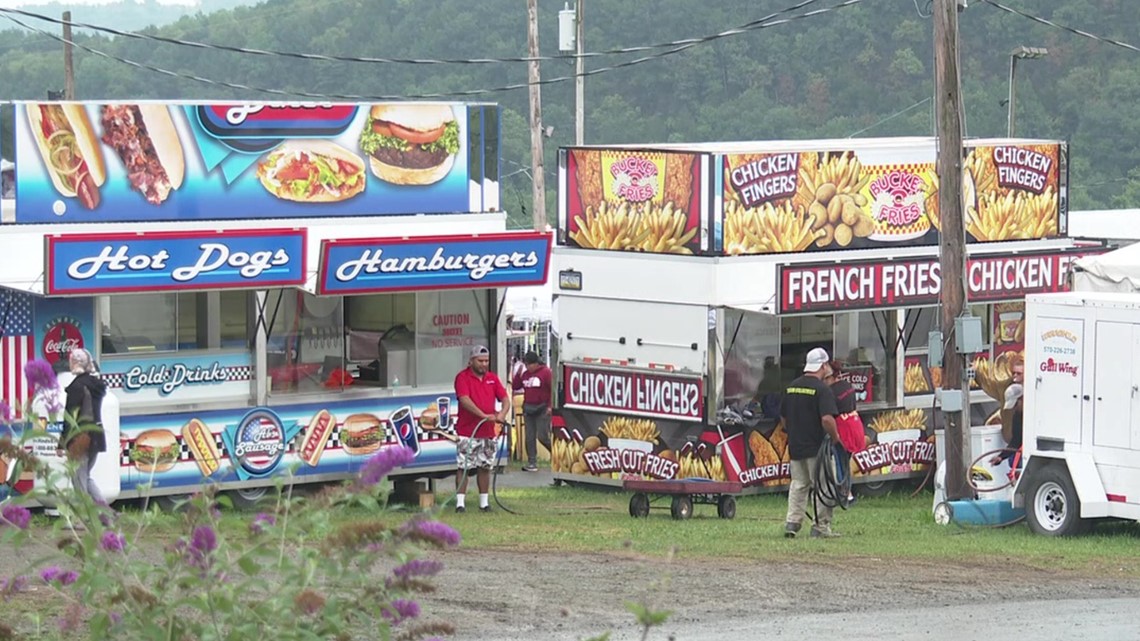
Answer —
155 451
410 144
361 434
429 418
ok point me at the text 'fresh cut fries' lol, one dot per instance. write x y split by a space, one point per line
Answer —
634 227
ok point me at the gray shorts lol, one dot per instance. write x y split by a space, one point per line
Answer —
475 452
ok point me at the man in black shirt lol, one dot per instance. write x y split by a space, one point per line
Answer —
808 413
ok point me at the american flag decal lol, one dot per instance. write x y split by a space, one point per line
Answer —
17 347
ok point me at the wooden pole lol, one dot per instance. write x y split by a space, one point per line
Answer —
68 69
538 181
952 237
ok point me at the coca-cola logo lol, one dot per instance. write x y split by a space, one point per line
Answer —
61 337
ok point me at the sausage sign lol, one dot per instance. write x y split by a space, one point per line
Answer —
633 392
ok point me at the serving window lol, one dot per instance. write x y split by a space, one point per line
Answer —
175 322
334 343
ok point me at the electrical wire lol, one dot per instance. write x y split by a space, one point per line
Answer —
891 117
744 28
365 98
1073 30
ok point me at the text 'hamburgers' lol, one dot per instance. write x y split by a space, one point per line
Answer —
410 144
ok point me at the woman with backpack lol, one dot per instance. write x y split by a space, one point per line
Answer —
82 437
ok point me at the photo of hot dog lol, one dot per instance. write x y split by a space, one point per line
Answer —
361 434
155 451
69 150
147 143
316 436
312 171
202 446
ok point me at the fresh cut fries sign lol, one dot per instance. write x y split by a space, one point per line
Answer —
153 161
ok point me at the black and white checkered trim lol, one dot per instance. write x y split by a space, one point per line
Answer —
234 374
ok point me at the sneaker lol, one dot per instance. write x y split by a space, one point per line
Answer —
530 467
790 530
485 508
823 534
460 509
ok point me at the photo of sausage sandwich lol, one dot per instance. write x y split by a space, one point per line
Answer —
69 150
146 141
410 144
313 171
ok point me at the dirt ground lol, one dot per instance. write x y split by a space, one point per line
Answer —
508 595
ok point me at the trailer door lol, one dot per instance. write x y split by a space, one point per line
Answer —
1058 376
1112 410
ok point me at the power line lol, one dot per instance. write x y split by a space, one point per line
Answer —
411 61
453 94
891 117
1073 30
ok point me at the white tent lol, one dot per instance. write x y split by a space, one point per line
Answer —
1116 271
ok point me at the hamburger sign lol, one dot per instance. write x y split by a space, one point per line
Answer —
151 161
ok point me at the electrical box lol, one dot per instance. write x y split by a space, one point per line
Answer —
934 346
968 330
951 400
567 30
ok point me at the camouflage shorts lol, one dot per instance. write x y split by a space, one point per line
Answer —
475 452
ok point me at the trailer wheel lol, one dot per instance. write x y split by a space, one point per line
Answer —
639 505
726 507
682 507
1052 507
874 488
249 498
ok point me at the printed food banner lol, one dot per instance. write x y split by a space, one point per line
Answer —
634 200
601 445
790 202
116 162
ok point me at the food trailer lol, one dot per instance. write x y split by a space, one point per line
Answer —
267 288
695 278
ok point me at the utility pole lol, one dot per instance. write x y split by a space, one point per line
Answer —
538 174
579 78
952 239
68 69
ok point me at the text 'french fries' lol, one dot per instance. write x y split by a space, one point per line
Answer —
642 227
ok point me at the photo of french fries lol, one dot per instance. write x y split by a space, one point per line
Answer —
836 207
1015 216
645 227
767 229
566 454
914 379
895 420
636 429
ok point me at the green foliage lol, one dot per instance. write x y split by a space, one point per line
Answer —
828 75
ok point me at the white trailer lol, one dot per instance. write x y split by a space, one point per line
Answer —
1082 411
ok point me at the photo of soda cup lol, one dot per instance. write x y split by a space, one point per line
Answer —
404 424
444 405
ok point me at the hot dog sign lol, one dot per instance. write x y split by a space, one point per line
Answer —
154 161
124 262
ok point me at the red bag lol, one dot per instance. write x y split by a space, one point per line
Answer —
851 434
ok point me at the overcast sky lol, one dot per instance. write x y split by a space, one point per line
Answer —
21 3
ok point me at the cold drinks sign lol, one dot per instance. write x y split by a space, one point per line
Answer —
918 281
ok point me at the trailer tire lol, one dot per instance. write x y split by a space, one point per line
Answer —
682 507
1052 507
250 498
726 507
874 488
639 505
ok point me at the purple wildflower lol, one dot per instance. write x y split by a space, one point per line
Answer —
16 515
113 541
69 577
50 573
401 610
40 376
53 403
8 587
383 462
438 533
417 568
116 618
203 540
261 521
5 411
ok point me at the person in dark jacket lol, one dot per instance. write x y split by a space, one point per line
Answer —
83 438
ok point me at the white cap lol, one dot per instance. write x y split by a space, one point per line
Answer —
1012 393
816 359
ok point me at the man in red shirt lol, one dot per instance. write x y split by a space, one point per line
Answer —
478 425
535 383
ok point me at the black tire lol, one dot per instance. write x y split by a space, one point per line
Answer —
639 505
250 498
1052 507
169 502
874 488
726 507
682 507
